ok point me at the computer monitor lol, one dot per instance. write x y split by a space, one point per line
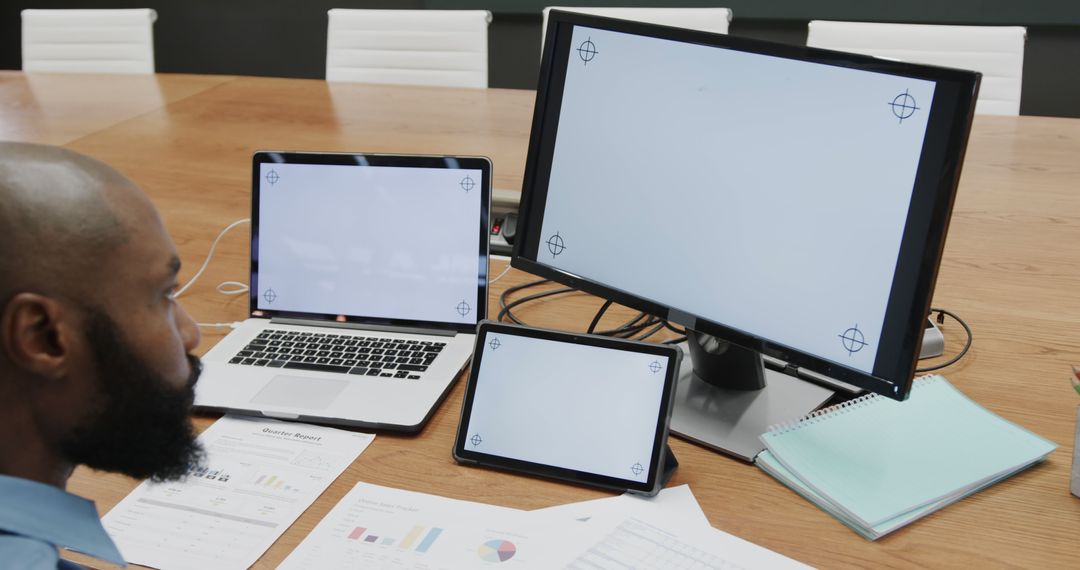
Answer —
786 200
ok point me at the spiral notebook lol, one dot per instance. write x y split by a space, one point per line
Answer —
878 464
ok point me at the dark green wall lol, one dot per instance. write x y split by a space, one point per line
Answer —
288 37
1011 12
1051 72
285 38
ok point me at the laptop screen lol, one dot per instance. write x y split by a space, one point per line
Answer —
387 239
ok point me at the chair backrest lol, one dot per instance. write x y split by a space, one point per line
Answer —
409 47
714 20
88 41
995 51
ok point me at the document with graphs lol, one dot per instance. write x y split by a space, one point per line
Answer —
258 477
380 527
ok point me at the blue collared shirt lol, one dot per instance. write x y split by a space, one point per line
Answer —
36 519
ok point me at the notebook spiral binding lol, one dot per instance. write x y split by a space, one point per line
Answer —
843 407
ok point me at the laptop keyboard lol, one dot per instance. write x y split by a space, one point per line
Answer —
345 354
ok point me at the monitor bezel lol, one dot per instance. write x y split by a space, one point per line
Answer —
480 163
926 226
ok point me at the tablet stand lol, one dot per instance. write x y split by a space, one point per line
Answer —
670 464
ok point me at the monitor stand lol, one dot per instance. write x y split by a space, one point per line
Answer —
738 399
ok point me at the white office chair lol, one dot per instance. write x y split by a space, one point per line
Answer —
714 20
88 41
995 51
409 47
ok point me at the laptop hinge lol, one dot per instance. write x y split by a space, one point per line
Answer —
362 326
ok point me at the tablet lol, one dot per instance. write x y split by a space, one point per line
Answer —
587 409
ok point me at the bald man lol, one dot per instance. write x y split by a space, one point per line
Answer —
95 352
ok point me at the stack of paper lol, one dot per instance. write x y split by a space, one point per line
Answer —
260 475
379 527
877 464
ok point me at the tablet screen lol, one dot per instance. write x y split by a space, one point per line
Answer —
579 407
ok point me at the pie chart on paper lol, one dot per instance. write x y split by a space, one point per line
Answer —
497 551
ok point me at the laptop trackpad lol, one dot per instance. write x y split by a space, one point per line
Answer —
299 392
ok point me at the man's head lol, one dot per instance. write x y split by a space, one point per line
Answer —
95 362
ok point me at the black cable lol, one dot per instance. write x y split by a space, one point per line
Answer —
507 311
681 332
967 345
668 326
600 313
625 330
516 288
507 308
634 326
506 293
628 332
629 327
659 327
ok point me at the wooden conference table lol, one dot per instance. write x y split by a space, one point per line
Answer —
1011 269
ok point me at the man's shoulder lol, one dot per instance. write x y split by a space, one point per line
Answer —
36 518
17 551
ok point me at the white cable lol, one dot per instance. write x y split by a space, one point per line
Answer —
221 325
492 282
238 288
210 255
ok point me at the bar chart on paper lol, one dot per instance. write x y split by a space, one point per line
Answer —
379 527
276 483
256 480
412 541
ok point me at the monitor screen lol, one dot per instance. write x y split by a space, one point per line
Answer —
791 200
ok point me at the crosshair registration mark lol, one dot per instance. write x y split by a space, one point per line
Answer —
467 183
494 344
556 245
903 106
853 340
272 177
587 51
269 295
637 468
654 366
463 308
476 439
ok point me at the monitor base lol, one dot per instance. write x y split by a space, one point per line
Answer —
732 421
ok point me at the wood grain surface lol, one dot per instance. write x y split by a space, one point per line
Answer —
1011 269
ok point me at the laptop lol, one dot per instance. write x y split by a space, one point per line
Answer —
368 278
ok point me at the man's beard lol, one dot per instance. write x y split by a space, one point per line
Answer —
142 427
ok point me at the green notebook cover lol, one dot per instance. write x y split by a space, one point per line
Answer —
770 465
875 459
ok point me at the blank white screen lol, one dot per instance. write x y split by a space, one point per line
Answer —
762 193
567 405
372 241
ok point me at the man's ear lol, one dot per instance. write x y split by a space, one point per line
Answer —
36 334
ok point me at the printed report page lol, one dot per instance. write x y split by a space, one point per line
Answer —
258 477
